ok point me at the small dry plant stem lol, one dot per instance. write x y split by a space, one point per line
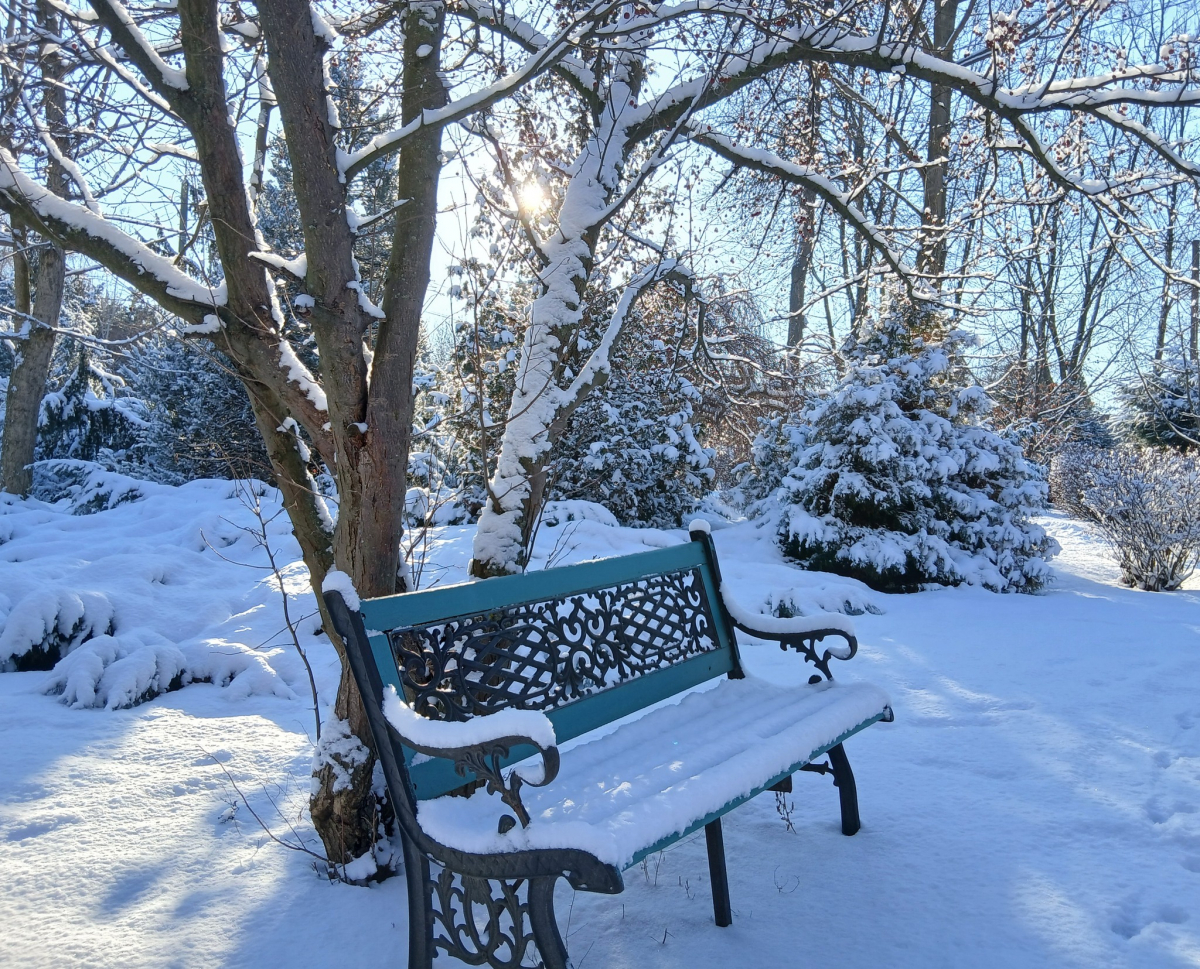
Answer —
261 538
250 499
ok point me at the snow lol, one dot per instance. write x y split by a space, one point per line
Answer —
172 77
337 581
297 268
785 626
654 777
301 375
422 732
1036 804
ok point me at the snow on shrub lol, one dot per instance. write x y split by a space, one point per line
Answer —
896 481
1146 502
122 671
48 624
116 673
86 486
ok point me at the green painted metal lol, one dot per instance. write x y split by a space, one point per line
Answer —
722 811
433 777
418 608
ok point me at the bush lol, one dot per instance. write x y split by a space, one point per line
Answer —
1146 502
896 481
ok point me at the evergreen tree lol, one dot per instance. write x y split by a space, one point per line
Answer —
198 420
1163 409
89 417
896 480
634 446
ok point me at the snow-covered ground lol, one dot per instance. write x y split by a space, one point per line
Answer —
1036 802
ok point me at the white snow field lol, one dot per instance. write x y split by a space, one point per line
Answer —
1035 804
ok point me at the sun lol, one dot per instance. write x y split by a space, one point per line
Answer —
531 197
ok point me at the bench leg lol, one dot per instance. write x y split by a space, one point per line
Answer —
420 908
843 779
544 925
717 874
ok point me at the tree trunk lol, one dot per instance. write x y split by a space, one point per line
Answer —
800 266
31 370
1164 312
932 257
27 385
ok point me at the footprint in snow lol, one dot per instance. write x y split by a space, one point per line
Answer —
1131 920
1158 813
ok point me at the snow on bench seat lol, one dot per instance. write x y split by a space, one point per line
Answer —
659 775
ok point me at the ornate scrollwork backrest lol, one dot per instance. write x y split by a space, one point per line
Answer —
544 653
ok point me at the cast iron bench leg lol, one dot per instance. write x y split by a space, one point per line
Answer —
544 925
717 874
843 778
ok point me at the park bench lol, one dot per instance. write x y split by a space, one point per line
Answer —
461 682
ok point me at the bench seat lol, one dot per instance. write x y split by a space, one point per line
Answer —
622 794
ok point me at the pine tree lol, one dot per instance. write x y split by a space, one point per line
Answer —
634 446
198 419
88 417
898 482
1163 409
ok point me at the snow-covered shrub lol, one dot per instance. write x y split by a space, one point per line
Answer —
122 671
897 481
116 673
1163 407
632 447
1146 502
634 444
86 486
47 624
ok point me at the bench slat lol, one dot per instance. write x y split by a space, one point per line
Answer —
466 598
725 809
434 777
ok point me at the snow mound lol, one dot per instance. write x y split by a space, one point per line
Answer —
47 624
116 672
238 668
577 510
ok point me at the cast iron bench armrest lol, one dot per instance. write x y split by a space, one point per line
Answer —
801 633
479 746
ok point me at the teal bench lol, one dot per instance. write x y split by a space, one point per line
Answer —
629 663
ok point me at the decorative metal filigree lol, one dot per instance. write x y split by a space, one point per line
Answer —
485 762
482 920
541 654
806 645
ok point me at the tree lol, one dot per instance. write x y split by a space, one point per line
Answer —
37 294
896 481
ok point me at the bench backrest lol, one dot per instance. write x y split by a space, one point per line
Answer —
587 644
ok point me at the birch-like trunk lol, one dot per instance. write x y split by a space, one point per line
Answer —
541 403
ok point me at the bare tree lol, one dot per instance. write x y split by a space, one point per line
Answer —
38 295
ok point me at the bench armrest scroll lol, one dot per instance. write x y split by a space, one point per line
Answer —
479 745
801 633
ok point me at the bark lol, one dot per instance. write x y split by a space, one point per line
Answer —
27 384
1166 300
932 257
800 266
31 371
1194 334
